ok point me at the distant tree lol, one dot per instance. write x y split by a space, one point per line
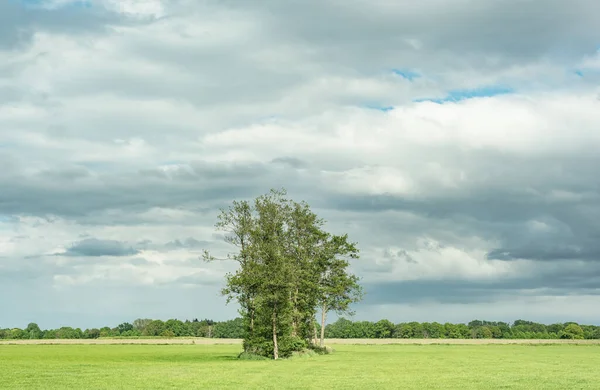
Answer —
572 331
484 332
66 332
555 328
176 326
17 334
433 330
154 328
451 331
403 331
141 323
384 329
91 333
340 329
417 330
124 327
475 324
33 331
106 332
232 329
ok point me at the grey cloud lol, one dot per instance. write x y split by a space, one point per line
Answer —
560 281
66 194
200 278
140 262
539 28
290 161
402 254
93 247
429 291
548 251
188 243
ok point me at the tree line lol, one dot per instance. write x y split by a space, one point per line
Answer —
342 328
477 329
141 327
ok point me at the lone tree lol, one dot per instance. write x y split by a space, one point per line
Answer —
289 268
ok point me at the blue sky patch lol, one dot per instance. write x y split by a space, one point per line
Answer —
464 94
379 107
42 3
406 74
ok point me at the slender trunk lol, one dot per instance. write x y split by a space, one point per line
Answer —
251 307
323 315
275 347
295 314
315 337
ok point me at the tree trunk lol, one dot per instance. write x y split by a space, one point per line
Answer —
315 337
275 347
251 317
295 315
323 316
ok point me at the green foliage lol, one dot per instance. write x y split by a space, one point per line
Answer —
342 328
154 328
124 327
91 333
572 331
33 331
288 267
140 324
232 329
66 332
384 329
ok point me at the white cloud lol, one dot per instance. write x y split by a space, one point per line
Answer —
136 130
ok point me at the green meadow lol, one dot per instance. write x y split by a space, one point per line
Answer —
350 366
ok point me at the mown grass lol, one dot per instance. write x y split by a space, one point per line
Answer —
350 366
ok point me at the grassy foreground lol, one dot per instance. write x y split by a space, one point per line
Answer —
351 366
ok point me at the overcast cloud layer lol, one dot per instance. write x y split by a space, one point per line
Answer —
458 142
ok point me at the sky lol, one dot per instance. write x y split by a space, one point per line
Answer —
457 142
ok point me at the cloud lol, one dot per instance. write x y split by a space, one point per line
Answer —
20 21
92 247
188 243
460 154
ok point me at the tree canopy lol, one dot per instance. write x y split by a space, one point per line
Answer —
289 268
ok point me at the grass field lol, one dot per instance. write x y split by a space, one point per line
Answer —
350 366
